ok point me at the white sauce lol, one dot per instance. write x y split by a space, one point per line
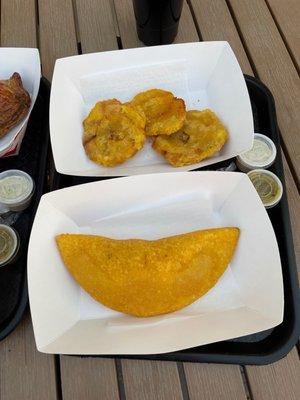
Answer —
260 153
13 187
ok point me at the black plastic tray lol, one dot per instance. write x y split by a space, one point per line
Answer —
33 160
268 346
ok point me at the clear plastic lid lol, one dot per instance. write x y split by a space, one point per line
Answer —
267 185
9 244
15 186
261 155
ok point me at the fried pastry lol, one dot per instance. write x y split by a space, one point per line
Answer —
148 277
113 132
201 136
164 113
14 103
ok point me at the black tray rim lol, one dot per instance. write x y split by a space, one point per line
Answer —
23 299
241 359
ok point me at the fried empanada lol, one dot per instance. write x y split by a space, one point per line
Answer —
164 113
201 136
148 277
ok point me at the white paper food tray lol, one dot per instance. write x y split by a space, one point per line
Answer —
26 62
247 299
204 74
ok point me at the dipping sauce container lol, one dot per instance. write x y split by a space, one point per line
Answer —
267 185
9 244
262 155
16 189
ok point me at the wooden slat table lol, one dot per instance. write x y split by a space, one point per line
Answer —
264 35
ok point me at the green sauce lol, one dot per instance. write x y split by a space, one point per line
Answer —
7 245
266 186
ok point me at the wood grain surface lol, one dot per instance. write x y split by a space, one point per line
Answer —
277 381
215 23
294 209
287 16
149 380
126 23
88 378
275 67
210 382
18 23
57 35
187 31
96 25
25 374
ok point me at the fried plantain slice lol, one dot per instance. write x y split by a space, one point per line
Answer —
164 113
201 136
113 132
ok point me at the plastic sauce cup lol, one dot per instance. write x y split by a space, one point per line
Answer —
16 190
9 245
267 185
262 155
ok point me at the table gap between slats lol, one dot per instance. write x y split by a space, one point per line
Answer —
76 24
